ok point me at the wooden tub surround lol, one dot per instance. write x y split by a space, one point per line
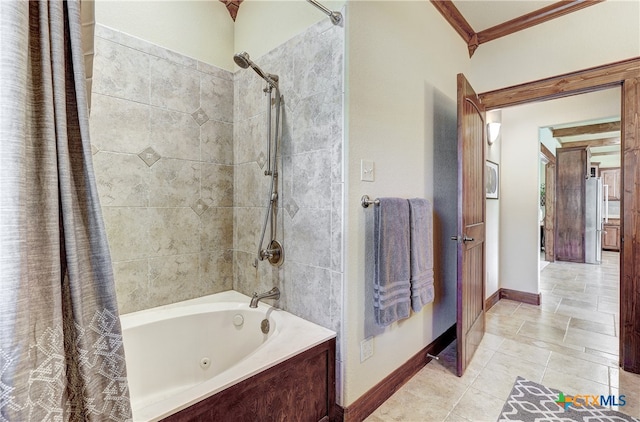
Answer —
299 389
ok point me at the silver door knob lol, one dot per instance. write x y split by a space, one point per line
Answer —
467 239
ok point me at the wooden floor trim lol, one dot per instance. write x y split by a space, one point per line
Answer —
518 296
491 300
377 395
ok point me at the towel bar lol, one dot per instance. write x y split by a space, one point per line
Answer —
365 201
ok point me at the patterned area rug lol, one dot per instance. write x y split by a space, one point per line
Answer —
532 402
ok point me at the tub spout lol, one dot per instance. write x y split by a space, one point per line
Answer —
271 294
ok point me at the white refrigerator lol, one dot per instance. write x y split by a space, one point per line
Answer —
593 220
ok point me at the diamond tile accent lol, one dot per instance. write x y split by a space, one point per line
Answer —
199 207
94 150
149 156
261 160
200 116
291 207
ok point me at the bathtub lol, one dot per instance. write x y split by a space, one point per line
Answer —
182 353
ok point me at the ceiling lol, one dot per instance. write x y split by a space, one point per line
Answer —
602 136
482 21
482 15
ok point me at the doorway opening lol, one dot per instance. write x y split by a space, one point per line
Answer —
527 204
624 75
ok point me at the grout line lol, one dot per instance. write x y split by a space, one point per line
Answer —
544 372
515 310
546 365
463 393
566 330
448 414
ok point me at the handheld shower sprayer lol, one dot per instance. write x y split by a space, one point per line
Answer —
274 251
243 60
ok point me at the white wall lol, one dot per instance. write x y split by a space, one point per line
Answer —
599 34
202 30
398 55
519 228
547 139
262 25
492 227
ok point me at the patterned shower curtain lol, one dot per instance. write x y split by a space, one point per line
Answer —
61 352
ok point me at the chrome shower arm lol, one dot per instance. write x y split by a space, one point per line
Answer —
271 79
336 17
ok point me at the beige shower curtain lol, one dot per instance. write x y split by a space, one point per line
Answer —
61 352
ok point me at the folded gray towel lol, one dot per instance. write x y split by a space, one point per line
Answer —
421 217
392 290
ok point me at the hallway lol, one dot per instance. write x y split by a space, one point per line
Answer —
569 343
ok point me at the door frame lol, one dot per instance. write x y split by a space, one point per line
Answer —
549 204
626 76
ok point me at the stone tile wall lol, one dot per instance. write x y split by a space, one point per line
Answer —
311 175
162 137
180 151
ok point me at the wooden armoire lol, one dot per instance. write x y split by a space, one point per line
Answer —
572 169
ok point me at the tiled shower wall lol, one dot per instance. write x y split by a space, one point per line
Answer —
310 223
180 151
161 131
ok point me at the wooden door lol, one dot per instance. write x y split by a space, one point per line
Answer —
611 237
611 178
471 229
572 165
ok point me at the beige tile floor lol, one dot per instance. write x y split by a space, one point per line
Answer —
570 343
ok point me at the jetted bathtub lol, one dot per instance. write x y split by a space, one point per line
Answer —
182 353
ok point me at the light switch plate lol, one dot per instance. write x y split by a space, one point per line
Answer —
367 171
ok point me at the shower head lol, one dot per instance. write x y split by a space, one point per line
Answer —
243 60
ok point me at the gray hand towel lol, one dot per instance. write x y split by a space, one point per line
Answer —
421 217
392 290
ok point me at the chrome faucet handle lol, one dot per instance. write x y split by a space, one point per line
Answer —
266 254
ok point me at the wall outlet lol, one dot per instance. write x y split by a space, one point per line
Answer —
366 349
367 171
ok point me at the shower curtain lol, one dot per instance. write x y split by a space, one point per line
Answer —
61 351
